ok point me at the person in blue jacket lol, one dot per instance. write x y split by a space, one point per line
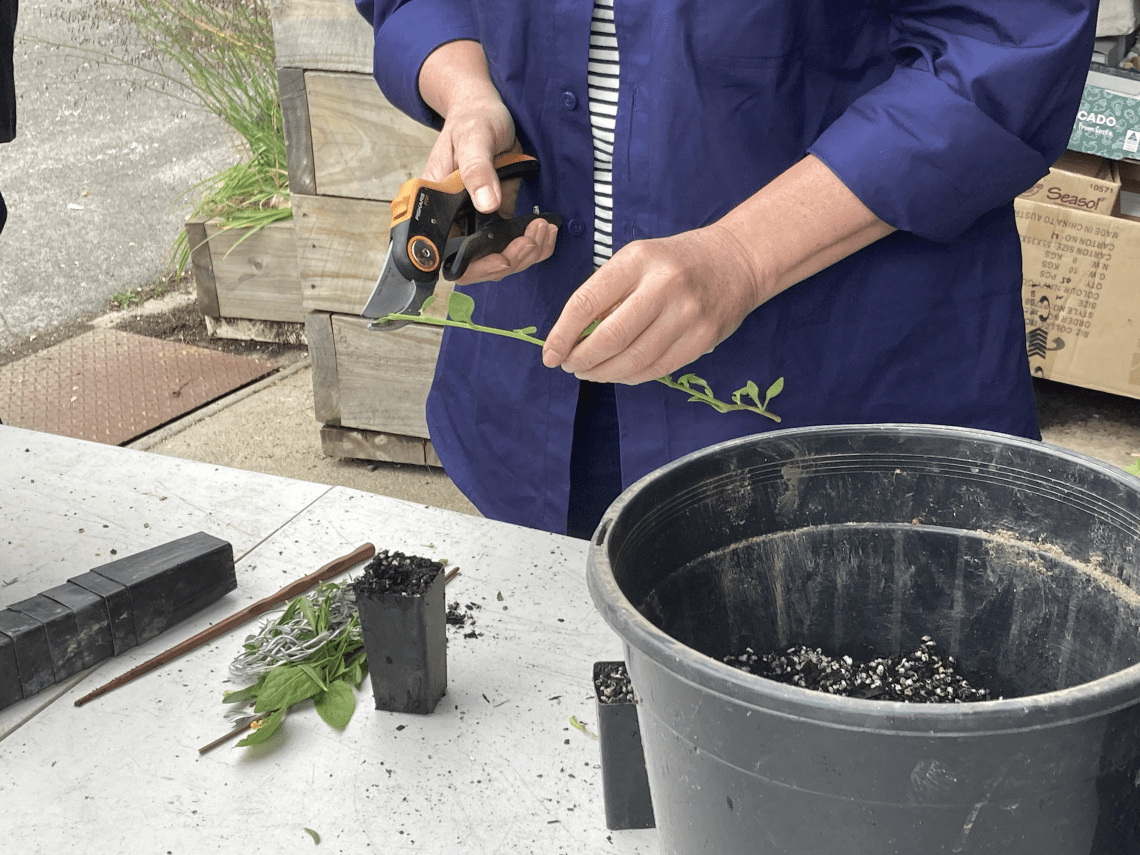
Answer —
819 190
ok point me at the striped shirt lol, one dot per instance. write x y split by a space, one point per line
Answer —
602 80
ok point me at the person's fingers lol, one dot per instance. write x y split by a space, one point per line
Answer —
441 159
536 244
596 298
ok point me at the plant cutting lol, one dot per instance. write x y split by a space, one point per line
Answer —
314 650
461 307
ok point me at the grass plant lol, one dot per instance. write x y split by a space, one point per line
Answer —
218 54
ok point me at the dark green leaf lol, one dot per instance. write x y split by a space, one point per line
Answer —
267 728
314 674
336 704
284 686
243 695
316 837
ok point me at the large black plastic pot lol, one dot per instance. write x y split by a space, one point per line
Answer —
1021 559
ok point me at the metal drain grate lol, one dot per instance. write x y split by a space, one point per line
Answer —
110 386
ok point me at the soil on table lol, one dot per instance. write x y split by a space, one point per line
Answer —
463 617
396 573
923 675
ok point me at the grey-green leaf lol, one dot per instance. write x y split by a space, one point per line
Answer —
316 837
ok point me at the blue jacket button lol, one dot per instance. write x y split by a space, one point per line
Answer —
575 227
569 100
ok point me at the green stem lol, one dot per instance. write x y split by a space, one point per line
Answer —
460 305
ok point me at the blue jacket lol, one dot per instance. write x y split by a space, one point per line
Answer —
935 113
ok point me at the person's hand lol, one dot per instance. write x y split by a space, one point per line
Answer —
477 126
663 303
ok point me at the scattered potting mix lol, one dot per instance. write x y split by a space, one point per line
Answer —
924 675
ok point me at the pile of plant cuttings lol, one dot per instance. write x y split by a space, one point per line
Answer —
924 675
314 650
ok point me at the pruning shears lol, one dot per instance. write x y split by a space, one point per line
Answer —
421 246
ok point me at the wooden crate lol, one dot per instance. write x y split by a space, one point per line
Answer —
349 151
248 284
363 378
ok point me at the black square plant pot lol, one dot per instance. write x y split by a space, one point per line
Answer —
92 623
403 618
625 783
11 690
33 656
173 581
62 633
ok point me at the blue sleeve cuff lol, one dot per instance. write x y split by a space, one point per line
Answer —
404 39
924 159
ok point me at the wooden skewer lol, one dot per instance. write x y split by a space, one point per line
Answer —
293 589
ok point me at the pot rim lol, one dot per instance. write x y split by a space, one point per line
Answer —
1092 699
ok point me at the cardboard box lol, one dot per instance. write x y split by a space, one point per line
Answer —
1082 181
1108 122
1081 296
1128 202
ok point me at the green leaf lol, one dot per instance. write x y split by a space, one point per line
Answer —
266 729
285 685
306 607
460 306
336 704
526 330
243 695
314 674
577 725
1134 468
427 303
316 837
773 390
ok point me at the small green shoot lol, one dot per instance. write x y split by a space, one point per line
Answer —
577 725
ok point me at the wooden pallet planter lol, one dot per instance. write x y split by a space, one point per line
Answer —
348 153
251 288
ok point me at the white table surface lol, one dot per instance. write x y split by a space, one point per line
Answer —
497 768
